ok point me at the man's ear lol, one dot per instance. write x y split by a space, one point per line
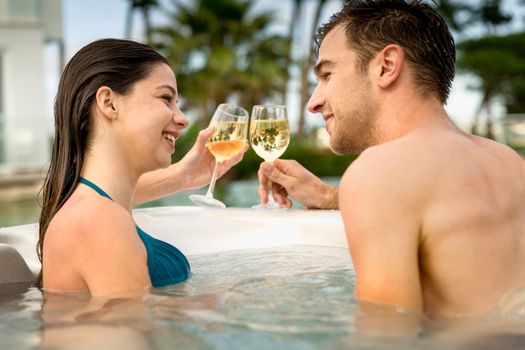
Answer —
106 102
389 63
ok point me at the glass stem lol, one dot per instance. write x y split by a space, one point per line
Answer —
213 180
271 201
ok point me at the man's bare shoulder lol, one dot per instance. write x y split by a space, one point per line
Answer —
390 170
505 153
395 161
410 167
425 162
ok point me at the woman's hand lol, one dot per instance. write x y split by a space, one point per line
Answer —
191 172
196 167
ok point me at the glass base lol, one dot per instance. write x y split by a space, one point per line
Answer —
206 201
269 205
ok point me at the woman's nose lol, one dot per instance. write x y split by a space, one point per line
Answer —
180 119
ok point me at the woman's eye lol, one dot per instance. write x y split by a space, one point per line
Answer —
168 98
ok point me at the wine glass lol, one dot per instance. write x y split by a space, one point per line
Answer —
231 128
269 138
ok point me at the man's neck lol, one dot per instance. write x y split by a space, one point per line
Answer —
407 115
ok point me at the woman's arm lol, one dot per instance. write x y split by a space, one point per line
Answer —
191 172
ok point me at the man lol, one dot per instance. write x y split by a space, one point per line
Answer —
434 217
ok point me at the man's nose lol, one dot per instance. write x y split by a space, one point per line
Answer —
316 101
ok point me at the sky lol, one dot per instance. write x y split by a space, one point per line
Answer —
85 21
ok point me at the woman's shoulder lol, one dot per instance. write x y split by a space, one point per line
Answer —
90 235
87 218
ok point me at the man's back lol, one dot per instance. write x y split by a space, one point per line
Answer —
449 203
474 229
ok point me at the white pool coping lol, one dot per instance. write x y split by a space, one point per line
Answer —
196 230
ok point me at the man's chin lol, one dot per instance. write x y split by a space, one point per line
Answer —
342 150
337 150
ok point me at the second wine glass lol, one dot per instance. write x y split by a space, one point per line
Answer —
269 138
228 139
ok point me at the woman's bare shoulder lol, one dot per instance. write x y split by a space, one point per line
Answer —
90 235
88 221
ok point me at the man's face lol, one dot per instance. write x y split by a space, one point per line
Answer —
343 96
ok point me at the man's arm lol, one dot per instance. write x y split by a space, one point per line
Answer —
381 219
289 178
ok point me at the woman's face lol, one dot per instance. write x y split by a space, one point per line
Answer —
151 119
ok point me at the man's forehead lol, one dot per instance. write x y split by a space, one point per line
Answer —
333 45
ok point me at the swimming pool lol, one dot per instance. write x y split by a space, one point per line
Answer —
261 280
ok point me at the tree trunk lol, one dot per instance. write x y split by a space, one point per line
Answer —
129 20
305 70
147 24
296 11
483 106
489 125
203 118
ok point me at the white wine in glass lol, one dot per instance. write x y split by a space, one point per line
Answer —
228 139
269 137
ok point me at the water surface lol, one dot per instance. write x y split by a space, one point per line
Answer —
295 297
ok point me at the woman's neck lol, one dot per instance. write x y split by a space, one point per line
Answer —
112 173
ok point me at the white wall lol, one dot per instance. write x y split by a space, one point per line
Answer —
26 120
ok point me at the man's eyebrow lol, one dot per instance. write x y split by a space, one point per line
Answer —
322 64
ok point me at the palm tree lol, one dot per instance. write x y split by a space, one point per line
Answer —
306 67
498 63
489 63
221 51
144 7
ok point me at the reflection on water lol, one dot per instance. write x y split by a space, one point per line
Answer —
20 307
296 297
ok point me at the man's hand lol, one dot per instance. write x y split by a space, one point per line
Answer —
197 165
288 178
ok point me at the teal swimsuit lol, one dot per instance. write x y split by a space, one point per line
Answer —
166 264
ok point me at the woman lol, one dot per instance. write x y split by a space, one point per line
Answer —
116 118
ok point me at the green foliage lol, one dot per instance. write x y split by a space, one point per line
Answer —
515 100
455 13
463 14
221 51
185 142
498 62
320 161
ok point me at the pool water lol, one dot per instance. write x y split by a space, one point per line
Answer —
295 297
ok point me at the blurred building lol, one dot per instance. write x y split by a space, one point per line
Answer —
26 27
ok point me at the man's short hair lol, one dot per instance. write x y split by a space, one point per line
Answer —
370 25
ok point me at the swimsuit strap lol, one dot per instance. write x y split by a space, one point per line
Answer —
166 264
93 186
